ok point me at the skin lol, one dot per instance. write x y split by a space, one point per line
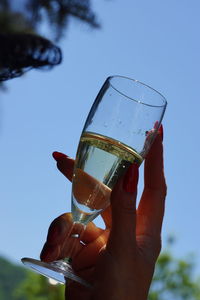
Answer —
119 260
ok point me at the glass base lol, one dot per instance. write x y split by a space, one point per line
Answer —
58 270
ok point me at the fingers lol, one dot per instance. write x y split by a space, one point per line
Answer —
75 290
123 204
91 233
151 207
65 164
88 256
59 240
107 217
55 238
154 169
87 187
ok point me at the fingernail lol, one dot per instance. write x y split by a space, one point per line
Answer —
160 131
58 155
131 178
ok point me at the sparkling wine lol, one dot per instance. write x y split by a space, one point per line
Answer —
100 161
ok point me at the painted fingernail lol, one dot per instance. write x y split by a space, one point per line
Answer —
160 131
131 178
58 155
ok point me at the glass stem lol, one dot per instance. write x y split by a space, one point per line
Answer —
73 240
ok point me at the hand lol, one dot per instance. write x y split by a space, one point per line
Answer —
119 260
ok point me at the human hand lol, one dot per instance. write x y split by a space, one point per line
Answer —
124 268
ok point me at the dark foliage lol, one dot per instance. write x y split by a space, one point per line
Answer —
21 52
28 15
21 46
10 278
58 13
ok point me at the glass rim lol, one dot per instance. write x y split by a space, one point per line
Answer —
141 83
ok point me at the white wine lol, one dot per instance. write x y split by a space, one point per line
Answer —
100 161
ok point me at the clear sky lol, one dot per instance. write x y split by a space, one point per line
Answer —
156 42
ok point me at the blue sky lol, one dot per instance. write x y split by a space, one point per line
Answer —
156 42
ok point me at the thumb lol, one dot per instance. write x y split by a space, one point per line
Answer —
123 206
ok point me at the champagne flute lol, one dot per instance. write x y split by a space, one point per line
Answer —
119 130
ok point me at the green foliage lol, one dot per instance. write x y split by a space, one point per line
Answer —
173 279
18 283
10 278
37 287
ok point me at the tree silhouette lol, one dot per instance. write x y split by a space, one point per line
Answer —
21 45
29 14
22 52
